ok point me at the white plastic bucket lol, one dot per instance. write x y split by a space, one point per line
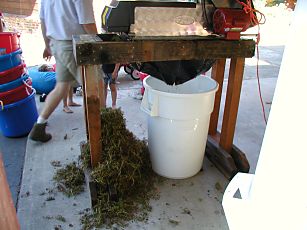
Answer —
178 123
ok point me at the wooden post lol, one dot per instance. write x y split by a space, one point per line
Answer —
92 106
84 100
232 102
8 217
220 149
217 74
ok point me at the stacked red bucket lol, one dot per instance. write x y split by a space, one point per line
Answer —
18 110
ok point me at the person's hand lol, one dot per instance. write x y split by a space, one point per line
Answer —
47 54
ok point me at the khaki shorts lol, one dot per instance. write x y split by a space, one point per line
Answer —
66 68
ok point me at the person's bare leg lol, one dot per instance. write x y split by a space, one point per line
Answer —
105 95
65 102
70 94
113 95
66 108
54 98
70 98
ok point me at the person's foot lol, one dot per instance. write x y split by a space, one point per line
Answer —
113 106
73 104
66 109
38 133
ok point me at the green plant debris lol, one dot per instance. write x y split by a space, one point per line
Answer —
60 218
26 194
85 157
218 186
58 227
50 190
173 221
70 179
50 198
56 163
186 211
42 193
124 178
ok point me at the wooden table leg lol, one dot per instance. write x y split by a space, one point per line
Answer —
91 78
84 100
8 217
218 156
235 79
220 149
217 74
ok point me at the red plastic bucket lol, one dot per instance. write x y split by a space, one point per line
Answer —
9 41
12 74
16 94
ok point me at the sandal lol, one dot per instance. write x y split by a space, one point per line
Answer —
66 109
73 104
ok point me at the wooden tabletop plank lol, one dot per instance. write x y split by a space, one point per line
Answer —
91 50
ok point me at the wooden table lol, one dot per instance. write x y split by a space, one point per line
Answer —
90 52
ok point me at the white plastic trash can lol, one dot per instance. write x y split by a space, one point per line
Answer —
178 121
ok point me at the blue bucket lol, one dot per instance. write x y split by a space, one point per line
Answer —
17 119
10 60
14 84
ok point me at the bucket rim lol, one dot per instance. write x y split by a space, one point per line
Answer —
15 89
5 56
21 79
18 102
11 70
213 90
9 33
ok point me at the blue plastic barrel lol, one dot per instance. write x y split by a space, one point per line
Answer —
10 60
17 119
42 82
